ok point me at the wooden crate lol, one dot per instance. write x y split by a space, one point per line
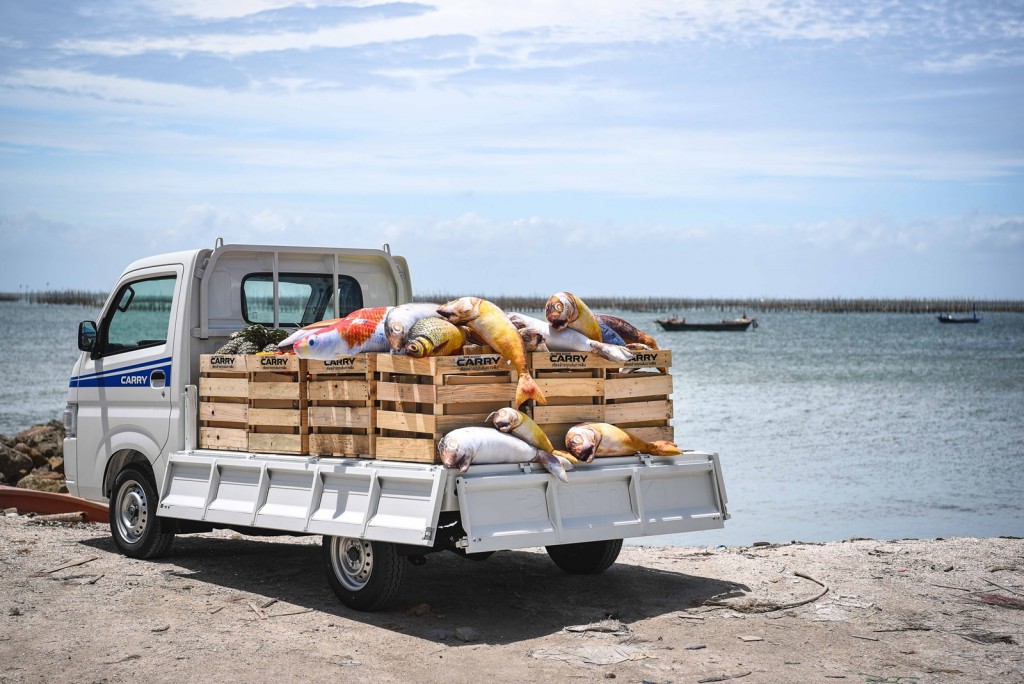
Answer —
223 402
582 387
420 400
341 412
277 404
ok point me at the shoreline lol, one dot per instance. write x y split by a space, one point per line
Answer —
259 609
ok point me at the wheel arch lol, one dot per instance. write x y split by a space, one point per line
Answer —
116 464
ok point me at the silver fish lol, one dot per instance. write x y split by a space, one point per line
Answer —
568 339
483 445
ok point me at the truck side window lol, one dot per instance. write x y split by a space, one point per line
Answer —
141 315
302 298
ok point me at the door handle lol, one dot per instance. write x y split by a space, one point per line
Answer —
157 379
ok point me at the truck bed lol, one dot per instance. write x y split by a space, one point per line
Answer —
503 506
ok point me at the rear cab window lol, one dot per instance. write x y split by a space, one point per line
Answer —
303 298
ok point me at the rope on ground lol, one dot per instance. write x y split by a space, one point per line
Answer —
753 605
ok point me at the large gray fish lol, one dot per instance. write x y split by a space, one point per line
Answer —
400 320
483 445
568 339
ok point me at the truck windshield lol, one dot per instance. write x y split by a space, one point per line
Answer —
303 298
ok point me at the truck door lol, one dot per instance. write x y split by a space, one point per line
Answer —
124 389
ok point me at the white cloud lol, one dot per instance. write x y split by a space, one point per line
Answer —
973 61
536 22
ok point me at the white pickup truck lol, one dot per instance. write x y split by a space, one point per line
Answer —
132 439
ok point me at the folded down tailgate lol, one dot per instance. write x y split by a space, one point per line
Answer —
612 498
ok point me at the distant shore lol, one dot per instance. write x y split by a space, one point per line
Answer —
646 304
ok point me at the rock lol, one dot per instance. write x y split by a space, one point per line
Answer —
51 482
467 634
38 459
47 439
14 465
56 464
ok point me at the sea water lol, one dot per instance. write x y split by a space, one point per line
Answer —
828 426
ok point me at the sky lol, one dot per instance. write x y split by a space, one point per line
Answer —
755 148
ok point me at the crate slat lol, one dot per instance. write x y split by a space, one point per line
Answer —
222 412
637 385
223 438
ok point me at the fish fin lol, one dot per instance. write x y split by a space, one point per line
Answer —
663 447
552 465
567 456
527 388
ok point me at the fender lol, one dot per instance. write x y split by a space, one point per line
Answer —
117 449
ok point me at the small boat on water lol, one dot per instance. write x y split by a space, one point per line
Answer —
731 325
950 318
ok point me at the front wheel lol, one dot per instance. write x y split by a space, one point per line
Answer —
365 575
586 558
136 529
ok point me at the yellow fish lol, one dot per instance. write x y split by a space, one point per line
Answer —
566 310
587 440
488 322
522 426
433 337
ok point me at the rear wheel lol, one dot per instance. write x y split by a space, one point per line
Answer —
134 525
586 558
365 575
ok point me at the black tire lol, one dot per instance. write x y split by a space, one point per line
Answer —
134 525
365 575
586 558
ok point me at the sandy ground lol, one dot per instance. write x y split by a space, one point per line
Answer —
227 608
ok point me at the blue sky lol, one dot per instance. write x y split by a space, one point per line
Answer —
753 148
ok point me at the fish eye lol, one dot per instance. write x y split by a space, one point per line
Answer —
577 439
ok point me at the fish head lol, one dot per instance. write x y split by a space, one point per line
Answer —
460 310
582 442
317 345
395 329
416 349
453 454
561 310
506 419
531 338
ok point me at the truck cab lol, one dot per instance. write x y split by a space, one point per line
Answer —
125 398
131 438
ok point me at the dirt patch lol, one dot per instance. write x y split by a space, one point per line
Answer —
226 608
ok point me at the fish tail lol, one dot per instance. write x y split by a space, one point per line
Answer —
663 447
527 388
566 455
552 465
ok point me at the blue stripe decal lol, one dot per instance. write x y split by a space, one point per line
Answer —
166 359
130 376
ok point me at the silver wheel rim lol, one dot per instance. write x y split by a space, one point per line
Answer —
132 512
352 560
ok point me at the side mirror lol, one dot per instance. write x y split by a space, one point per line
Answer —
87 336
